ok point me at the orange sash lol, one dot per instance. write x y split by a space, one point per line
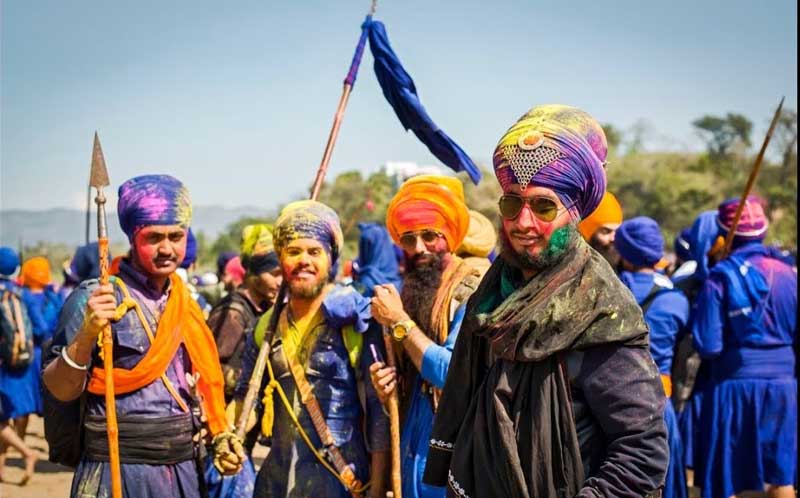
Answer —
181 323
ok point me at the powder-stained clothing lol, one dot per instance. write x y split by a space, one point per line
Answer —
552 390
291 470
666 311
92 478
746 327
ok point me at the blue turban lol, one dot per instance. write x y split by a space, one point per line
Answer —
681 245
9 261
85 263
702 235
153 200
376 263
191 250
639 241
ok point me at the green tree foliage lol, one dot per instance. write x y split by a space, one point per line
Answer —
723 133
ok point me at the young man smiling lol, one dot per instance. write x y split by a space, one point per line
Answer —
319 355
551 390
159 336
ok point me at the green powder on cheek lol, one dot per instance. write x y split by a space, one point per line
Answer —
558 243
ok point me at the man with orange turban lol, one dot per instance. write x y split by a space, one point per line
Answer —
429 220
599 228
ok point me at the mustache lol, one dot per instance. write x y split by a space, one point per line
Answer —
304 268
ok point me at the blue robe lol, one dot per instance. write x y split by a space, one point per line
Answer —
666 317
92 478
415 434
291 470
19 387
746 326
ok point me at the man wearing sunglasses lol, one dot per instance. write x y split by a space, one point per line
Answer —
429 220
552 390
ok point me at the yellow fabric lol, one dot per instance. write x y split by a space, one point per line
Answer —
429 202
666 381
297 335
481 236
256 240
609 211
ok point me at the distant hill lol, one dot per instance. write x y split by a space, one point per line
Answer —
67 226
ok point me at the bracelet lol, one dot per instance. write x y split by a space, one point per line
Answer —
70 362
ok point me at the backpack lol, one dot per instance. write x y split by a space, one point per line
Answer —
16 333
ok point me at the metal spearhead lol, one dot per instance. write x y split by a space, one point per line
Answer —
99 175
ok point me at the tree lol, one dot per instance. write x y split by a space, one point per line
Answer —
722 134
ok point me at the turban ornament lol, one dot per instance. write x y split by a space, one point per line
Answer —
557 147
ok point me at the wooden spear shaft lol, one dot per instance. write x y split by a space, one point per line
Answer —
108 358
394 422
751 181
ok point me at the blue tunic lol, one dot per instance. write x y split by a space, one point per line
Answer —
19 388
416 431
666 317
92 478
291 469
746 326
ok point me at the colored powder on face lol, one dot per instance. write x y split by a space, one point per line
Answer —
559 241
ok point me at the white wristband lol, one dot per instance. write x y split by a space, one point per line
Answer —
70 362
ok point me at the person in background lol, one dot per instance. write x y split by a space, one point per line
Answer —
187 267
376 263
477 248
10 435
599 227
666 310
746 328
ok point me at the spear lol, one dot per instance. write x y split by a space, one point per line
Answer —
751 181
99 179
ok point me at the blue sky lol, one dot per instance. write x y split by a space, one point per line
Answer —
236 99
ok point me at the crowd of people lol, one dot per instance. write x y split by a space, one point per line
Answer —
558 355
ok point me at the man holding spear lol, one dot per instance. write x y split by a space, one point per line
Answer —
429 220
159 338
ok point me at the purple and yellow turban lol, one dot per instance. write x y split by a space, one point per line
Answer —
309 220
153 200
433 202
753 223
258 251
557 147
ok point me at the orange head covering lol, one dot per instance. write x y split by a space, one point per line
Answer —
433 202
35 273
609 211
113 268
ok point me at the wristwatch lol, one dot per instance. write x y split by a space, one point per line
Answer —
400 330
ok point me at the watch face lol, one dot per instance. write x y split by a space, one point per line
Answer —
399 332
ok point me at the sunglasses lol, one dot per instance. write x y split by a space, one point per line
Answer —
409 239
544 208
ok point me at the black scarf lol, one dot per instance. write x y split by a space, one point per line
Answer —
505 425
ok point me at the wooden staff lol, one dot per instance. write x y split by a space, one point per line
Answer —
394 422
254 385
751 181
98 180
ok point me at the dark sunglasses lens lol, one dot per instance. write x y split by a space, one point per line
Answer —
544 209
429 236
408 240
510 206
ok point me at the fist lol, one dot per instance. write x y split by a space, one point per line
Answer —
384 380
100 310
387 307
228 453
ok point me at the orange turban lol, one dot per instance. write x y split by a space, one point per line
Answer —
35 273
609 211
433 202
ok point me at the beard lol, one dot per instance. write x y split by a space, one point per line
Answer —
420 284
608 251
307 290
562 240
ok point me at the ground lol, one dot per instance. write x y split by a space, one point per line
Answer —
51 480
